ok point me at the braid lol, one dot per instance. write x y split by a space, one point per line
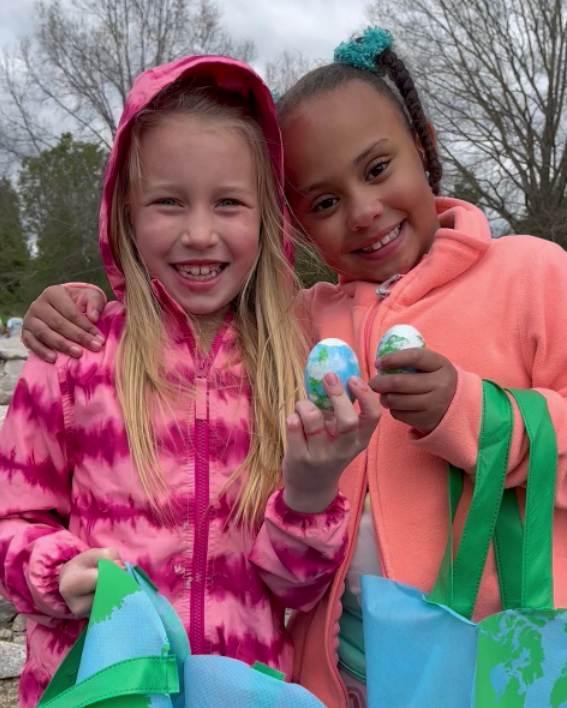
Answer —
399 75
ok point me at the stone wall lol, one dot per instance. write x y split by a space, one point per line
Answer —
12 626
13 355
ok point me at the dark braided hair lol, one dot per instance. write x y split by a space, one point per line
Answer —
392 72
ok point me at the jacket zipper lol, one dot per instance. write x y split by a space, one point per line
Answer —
200 548
382 291
330 632
201 504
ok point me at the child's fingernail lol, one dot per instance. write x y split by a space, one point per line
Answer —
331 378
358 382
96 343
95 315
76 351
50 356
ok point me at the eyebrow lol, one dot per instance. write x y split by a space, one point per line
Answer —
357 160
158 186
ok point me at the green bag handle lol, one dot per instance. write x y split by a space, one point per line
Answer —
508 549
524 559
129 681
139 677
458 581
536 567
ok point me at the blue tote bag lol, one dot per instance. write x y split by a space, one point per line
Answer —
135 653
425 652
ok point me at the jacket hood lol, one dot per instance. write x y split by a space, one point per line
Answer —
225 73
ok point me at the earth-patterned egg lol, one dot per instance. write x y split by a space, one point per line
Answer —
396 338
330 355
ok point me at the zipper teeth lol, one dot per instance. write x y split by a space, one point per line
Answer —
200 544
201 541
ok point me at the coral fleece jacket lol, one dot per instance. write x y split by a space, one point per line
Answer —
497 309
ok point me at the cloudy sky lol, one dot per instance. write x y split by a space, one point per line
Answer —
314 27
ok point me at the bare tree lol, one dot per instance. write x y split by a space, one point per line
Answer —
285 70
80 64
494 75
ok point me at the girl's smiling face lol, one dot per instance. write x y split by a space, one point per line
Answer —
196 218
357 184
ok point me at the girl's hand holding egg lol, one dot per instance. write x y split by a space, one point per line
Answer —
420 384
326 433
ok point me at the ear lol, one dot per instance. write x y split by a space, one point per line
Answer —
432 135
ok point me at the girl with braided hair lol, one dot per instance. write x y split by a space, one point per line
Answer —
363 181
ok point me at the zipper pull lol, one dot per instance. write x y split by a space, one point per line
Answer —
201 392
383 290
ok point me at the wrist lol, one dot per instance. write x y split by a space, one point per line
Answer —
309 502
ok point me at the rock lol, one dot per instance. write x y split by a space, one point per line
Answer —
13 356
9 378
5 635
7 612
9 693
3 411
20 624
19 639
12 657
12 349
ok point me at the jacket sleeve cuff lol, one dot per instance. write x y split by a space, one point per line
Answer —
49 555
455 439
298 554
278 511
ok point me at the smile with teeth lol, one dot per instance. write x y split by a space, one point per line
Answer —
387 238
195 272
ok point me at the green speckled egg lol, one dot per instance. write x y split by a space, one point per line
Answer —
396 338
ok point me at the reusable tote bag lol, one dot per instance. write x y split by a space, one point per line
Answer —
426 652
135 654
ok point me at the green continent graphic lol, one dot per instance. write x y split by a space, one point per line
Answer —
393 344
522 657
323 354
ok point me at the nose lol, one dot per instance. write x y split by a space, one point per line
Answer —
199 231
363 208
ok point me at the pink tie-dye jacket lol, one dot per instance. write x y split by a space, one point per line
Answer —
68 482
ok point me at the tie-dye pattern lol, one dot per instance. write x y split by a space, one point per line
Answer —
69 483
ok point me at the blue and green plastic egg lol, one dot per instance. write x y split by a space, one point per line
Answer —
330 355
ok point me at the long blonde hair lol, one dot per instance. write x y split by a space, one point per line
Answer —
270 338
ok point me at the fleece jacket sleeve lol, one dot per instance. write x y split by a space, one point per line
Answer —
296 554
539 329
36 495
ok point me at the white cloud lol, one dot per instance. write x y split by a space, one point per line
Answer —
313 27
16 20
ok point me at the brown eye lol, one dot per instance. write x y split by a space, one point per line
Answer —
324 204
377 169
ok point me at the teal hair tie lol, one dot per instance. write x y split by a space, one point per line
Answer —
275 95
362 51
